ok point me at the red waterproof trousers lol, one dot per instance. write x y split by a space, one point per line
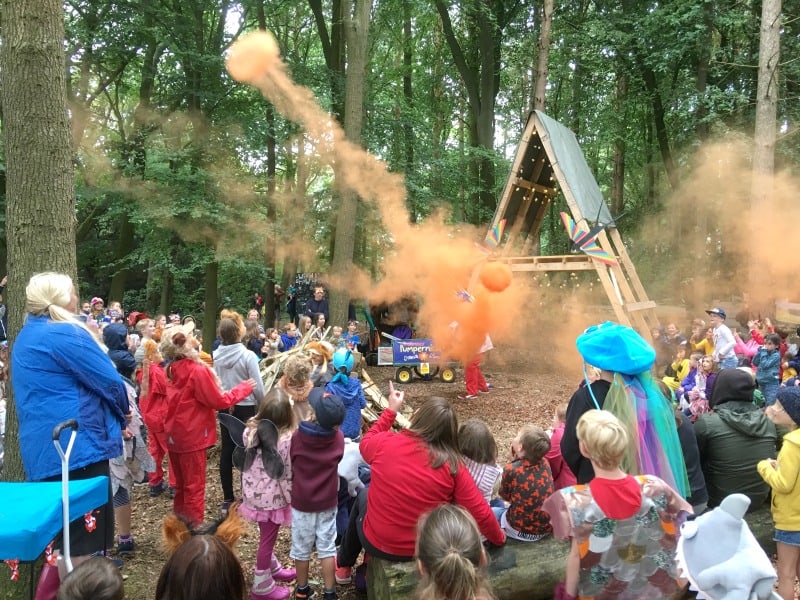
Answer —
157 446
474 377
190 484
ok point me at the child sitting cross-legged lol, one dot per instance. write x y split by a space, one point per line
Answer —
525 484
619 524
479 455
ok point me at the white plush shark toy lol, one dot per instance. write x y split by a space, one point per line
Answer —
721 557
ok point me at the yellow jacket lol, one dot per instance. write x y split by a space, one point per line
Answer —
705 346
785 483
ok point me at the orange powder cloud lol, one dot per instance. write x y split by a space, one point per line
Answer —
432 260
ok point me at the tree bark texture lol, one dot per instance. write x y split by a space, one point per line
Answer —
357 35
766 122
40 198
543 56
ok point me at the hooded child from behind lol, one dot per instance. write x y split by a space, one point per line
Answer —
115 337
733 439
349 390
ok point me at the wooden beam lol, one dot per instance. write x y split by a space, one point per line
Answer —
536 187
634 306
566 262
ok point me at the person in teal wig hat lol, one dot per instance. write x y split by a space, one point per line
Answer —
626 388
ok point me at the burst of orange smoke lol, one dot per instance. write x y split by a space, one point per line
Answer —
252 56
430 260
495 276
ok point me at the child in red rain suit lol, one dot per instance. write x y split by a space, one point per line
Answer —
473 376
153 406
190 426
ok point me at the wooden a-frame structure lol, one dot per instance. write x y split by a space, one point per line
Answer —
549 154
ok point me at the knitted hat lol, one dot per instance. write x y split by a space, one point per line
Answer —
96 300
789 397
328 408
614 347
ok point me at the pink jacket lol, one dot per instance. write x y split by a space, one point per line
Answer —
747 348
562 475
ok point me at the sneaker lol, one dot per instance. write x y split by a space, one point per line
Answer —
344 575
486 391
303 593
466 396
126 548
329 595
157 490
172 492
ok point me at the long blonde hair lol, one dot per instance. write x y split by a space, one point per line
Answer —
49 294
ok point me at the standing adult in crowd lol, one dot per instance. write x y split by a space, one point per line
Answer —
317 304
62 373
626 388
234 363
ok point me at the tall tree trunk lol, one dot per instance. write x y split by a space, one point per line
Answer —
618 175
766 125
40 197
270 247
408 97
703 63
333 49
357 33
212 301
659 121
543 56
124 247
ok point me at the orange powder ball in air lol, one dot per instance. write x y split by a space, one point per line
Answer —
252 56
496 276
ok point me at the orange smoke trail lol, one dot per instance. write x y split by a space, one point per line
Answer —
431 260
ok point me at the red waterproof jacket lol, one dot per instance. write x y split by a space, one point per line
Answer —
153 405
193 397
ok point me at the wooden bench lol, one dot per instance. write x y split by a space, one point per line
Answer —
518 570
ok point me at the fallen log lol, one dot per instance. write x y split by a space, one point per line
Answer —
520 570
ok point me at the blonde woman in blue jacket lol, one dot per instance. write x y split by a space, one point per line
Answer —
60 373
